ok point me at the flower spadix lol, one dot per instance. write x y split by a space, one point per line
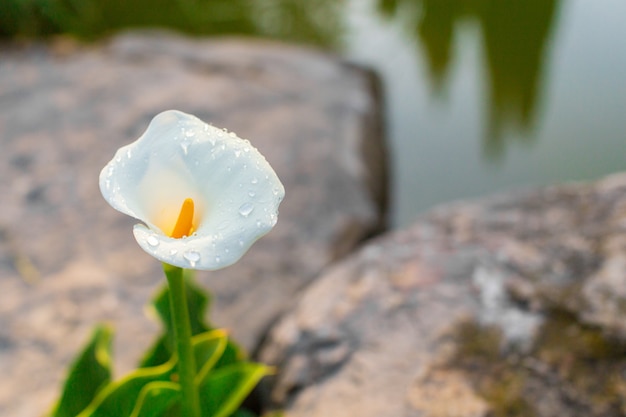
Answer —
203 195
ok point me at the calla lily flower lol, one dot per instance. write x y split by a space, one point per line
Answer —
203 195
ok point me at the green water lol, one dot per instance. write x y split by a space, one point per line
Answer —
482 96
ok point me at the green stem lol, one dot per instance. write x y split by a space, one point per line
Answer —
182 333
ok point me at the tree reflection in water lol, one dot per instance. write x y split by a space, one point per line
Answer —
515 33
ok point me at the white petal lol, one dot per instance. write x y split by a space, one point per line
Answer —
235 190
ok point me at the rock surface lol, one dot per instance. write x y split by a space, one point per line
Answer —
510 306
68 260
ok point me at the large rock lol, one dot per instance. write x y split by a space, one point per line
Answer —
68 260
510 306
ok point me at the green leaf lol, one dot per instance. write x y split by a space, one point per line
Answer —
208 349
156 398
126 397
232 354
224 389
158 354
223 378
119 399
243 413
197 301
90 372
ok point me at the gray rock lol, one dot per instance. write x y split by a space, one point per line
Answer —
68 260
505 306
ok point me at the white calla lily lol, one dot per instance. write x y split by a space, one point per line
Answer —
235 192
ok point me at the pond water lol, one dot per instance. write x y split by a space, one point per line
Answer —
487 96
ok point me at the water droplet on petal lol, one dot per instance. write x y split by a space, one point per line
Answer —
173 251
217 259
258 223
237 153
192 256
185 145
232 135
276 191
254 180
251 193
241 243
190 133
152 241
245 209
129 153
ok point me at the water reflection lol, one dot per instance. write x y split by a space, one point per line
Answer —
436 31
432 23
515 34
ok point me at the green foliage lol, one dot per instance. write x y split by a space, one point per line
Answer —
89 19
223 377
198 303
120 398
318 22
155 399
223 390
88 375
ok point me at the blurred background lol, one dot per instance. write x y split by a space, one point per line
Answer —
481 96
